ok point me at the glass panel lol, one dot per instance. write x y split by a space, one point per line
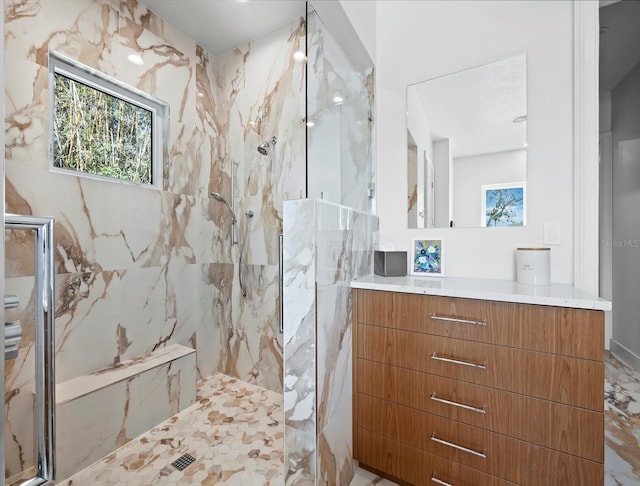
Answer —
339 123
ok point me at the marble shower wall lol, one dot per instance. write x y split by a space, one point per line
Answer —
340 136
261 95
325 247
138 269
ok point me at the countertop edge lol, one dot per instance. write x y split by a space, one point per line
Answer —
511 291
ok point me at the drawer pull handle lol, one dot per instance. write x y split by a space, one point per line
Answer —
434 479
458 404
456 446
436 317
482 366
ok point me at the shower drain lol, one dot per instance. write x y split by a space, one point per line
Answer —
183 461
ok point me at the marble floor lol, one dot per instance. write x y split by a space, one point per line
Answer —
235 433
622 424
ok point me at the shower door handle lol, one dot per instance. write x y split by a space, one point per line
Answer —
281 281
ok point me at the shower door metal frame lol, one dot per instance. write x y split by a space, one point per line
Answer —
44 416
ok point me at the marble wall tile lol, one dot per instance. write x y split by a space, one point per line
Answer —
335 449
333 350
353 258
263 92
126 408
217 280
260 94
300 458
299 265
76 424
325 246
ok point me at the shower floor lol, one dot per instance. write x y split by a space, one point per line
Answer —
235 432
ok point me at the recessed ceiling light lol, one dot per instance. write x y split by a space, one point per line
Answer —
520 119
299 56
338 99
311 124
135 59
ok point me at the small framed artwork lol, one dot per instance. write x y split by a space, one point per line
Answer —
504 204
426 257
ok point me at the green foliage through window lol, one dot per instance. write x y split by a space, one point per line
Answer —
97 133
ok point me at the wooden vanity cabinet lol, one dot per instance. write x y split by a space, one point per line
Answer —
456 391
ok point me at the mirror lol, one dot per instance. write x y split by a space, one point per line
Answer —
466 147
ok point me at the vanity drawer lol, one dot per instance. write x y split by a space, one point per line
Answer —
495 454
558 330
415 466
561 427
563 379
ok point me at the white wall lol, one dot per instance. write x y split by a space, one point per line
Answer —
625 124
442 176
362 15
422 40
605 112
471 173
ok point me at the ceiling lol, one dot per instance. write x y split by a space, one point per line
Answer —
475 108
220 25
619 42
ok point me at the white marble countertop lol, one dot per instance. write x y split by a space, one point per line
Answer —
560 295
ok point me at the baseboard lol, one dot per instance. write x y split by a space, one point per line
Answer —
625 355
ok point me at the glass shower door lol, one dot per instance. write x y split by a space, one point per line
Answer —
340 161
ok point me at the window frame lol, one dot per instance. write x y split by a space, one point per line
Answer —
72 69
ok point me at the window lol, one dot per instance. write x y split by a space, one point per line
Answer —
104 128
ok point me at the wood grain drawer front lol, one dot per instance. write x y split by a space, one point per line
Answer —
559 330
561 427
563 379
415 466
497 455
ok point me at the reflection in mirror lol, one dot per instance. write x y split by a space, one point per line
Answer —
466 147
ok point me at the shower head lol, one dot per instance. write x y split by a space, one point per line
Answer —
263 148
218 197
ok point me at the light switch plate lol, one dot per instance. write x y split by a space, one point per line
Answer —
551 233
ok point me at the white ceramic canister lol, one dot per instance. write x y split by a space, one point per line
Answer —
533 266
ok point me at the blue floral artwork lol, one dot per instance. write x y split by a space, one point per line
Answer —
427 257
